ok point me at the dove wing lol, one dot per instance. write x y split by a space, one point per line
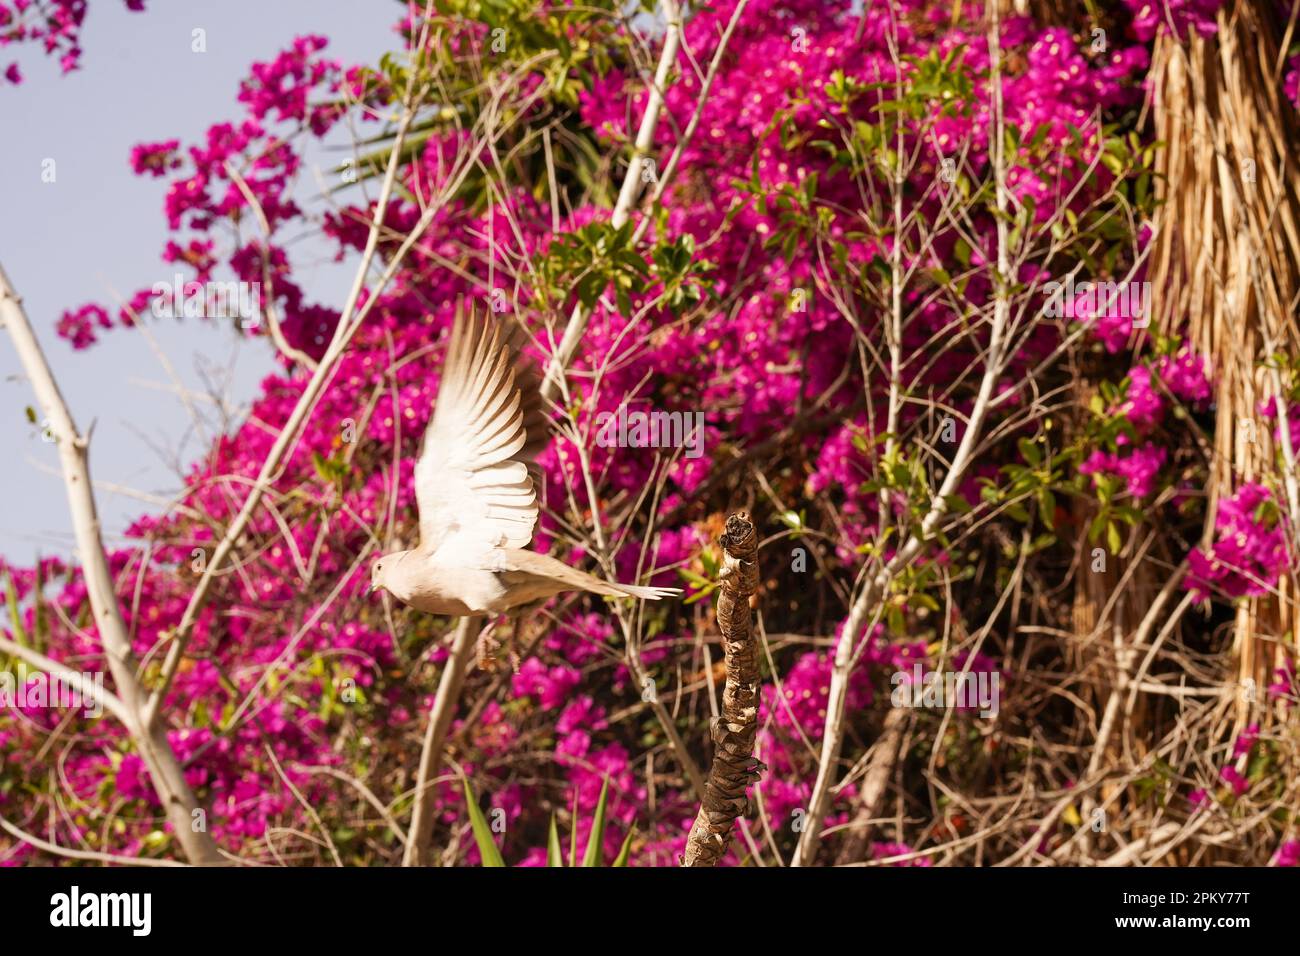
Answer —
474 480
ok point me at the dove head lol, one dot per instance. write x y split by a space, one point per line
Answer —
383 573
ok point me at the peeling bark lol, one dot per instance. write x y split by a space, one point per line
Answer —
734 767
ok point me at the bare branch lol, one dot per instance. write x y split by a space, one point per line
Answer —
151 741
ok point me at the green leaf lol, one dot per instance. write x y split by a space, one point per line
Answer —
1047 507
487 847
573 832
597 835
791 519
691 577
957 504
40 629
554 855
921 599
15 612
332 470
701 595
626 849
961 250
894 618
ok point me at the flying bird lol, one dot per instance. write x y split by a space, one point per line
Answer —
475 488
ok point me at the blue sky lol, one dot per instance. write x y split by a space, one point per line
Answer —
95 235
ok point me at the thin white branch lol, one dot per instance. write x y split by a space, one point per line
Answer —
164 769
74 679
577 324
995 359
89 855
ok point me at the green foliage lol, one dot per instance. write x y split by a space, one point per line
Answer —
681 274
571 37
491 855
706 583
1035 481
598 256
1106 424
936 85
333 470
591 259
487 847
475 49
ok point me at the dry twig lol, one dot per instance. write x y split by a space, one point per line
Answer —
734 766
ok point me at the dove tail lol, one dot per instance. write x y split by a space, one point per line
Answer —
542 575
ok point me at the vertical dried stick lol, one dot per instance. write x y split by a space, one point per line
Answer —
435 735
734 767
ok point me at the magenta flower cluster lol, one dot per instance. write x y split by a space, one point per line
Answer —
1249 552
54 25
1151 391
276 653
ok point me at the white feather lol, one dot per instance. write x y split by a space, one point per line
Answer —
472 484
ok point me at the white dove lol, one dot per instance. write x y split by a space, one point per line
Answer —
474 488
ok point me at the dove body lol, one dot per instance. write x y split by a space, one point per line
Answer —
476 494
458 592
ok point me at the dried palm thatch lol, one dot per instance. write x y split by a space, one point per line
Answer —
1225 264
1224 268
